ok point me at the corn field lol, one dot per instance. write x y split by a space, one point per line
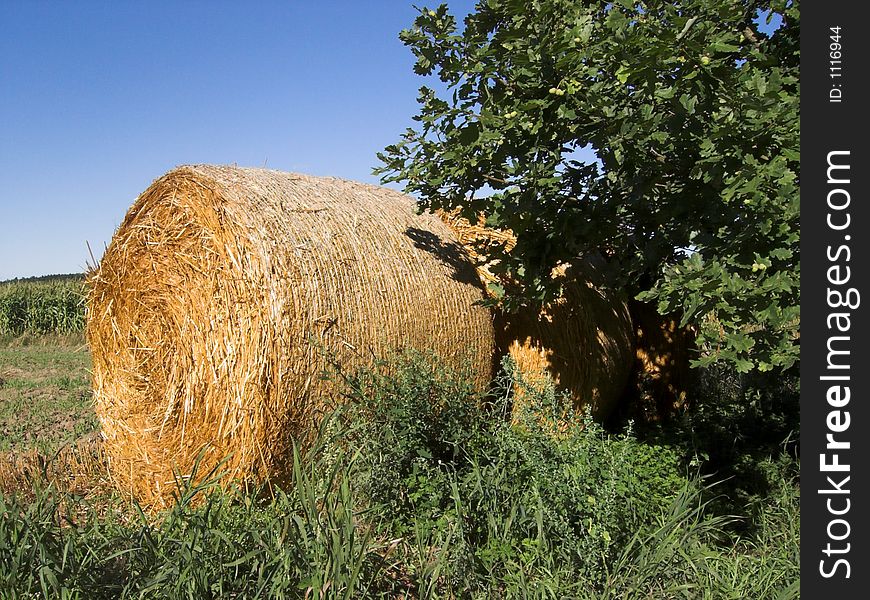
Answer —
51 305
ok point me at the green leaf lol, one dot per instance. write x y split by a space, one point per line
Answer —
469 134
743 365
688 102
724 47
622 74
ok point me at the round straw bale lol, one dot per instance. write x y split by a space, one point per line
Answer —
225 294
662 364
583 341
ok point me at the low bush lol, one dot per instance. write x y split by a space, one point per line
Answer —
435 454
738 426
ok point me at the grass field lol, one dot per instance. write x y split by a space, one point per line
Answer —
416 490
45 393
414 493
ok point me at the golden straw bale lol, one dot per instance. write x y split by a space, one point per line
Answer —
225 293
662 363
583 341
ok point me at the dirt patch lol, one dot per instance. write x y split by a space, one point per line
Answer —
45 397
48 429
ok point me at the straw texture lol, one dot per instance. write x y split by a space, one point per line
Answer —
78 468
662 363
583 341
226 291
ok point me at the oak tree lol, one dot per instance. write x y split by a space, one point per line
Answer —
692 113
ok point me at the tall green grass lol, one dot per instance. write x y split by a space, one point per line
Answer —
50 305
302 543
420 488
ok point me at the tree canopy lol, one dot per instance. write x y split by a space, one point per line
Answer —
693 114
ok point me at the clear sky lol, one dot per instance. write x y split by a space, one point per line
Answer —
98 99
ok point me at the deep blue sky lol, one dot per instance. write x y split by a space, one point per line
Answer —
98 99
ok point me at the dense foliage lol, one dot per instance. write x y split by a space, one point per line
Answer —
42 305
692 112
433 455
